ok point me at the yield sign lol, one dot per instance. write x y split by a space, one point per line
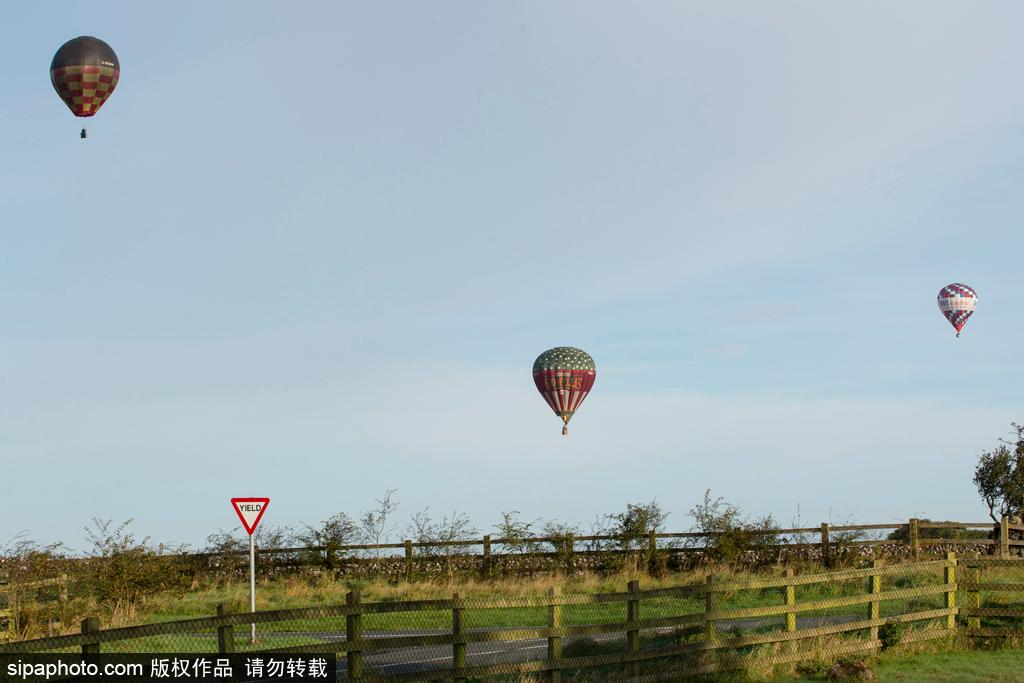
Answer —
250 511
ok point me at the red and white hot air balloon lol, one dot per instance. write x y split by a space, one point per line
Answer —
957 302
564 376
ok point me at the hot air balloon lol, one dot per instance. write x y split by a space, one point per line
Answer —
564 376
84 73
957 302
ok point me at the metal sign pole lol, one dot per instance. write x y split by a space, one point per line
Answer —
252 584
250 512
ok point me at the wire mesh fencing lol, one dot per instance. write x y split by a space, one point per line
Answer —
721 623
992 602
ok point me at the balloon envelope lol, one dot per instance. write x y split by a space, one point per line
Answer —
564 376
957 302
84 72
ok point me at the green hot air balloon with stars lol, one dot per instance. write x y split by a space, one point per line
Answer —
564 376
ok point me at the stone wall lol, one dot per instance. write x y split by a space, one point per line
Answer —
578 563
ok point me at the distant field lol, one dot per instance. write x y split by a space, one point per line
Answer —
288 593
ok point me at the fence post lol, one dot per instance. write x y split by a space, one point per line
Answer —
710 633
554 673
875 588
485 569
973 575
14 611
950 577
570 548
225 634
458 640
790 601
652 552
408 560
1004 538
825 549
62 582
354 634
90 625
632 630
329 556
913 540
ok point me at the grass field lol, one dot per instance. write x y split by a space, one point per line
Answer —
959 666
294 592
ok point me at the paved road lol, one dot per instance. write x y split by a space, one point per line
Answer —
431 657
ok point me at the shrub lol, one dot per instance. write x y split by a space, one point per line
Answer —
632 525
560 531
226 552
23 563
902 533
424 529
515 532
583 647
891 634
814 668
122 570
333 533
732 536
374 527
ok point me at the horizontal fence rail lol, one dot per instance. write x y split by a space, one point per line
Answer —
994 603
826 539
716 625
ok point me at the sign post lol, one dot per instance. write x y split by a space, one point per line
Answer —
250 511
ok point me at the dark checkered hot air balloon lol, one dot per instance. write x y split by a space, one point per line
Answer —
84 73
564 376
957 302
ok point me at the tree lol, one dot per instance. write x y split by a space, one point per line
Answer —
999 476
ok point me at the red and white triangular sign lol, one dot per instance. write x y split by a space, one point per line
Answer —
250 511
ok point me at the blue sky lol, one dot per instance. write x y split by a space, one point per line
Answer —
311 251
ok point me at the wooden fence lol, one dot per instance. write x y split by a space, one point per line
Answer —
14 595
688 628
919 536
980 579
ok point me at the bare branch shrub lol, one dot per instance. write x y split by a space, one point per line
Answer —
424 529
374 526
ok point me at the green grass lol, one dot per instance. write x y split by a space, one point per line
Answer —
929 666
293 593
958 666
